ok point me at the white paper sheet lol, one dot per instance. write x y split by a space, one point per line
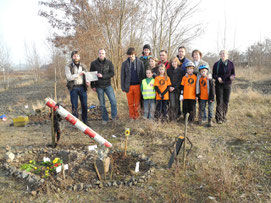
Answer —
91 76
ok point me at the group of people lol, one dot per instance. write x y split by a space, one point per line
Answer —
157 87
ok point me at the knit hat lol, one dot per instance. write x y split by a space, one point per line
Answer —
147 46
189 64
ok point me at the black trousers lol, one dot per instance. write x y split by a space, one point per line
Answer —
222 101
161 108
174 105
189 106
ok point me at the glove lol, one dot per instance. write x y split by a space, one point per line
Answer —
181 97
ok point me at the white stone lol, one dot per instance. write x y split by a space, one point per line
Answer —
9 156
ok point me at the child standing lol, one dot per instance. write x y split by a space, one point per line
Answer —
162 84
188 91
205 91
148 93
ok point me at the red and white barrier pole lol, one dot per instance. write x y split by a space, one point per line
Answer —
76 122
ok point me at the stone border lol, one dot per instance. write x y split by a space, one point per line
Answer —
34 182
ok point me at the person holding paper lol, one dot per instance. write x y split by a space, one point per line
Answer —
105 71
77 85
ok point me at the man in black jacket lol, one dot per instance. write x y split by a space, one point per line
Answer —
132 74
105 71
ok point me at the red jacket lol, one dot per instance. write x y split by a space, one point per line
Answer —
167 64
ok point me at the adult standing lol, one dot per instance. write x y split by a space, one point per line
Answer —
132 74
163 59
223 74
182 58
175 74
146 55
105 71
77 85
198 61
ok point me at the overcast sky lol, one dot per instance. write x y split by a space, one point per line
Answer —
246 23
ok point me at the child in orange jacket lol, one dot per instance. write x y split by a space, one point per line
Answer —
188 92
161 85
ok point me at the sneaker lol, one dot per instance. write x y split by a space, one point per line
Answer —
104 122
210 124
219 122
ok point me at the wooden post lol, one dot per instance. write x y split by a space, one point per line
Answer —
53 136
63 172
97 171
52 118
184 142
125 147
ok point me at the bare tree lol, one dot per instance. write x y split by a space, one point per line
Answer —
5 64
117 24
33 59
170 24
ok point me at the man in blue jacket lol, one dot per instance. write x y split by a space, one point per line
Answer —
182 58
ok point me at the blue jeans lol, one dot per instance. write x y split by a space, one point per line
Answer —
111 96
210 108
149 108
79 91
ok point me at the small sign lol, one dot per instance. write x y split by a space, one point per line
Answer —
58 169
127 131
92 147
137 167
66 167
46 159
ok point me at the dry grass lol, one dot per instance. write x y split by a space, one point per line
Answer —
228 163
253 74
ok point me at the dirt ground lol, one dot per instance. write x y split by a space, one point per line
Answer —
228 163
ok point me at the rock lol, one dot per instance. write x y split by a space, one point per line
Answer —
33 193
80 186
42 181
152 169
24 174
74 187
109 184
8 149
101 185
30 179
115 183
88 186
141 180
9 157
135 182
130 184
